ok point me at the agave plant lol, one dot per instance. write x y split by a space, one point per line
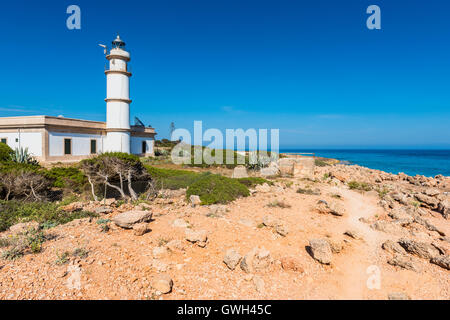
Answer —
21 155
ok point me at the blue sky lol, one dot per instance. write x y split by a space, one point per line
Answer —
310 68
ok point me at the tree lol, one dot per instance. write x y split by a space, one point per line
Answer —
113 167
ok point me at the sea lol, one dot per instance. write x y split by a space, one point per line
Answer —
411 162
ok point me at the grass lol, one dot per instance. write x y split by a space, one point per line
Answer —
214 189
363 186
251 182
47 213
382 192
321 163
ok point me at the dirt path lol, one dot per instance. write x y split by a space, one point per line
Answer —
360 263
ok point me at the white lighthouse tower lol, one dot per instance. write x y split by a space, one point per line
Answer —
118 101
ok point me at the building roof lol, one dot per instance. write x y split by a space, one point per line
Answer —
46 121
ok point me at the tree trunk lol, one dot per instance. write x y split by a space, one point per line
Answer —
132 192
92 188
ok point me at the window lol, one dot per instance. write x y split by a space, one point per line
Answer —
67 146
93 146
144 147
4 140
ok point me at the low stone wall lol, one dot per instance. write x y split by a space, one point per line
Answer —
299 167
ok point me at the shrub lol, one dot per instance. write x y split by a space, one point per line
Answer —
363 186
12 212
214 188
24 181
320 163
67 178
173 179
5 152
28 242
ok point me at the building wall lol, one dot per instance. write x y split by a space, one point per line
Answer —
30 140
136 145
81 143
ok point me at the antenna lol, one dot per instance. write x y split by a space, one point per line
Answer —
105 49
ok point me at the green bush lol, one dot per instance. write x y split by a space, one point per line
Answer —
5 152
321 163
173 179
217 189
251 182
67 178
363 186
12 212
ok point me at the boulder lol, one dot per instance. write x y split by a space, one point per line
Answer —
162 284
320 250
129 218
256 260
103 210
263 188
140 228
386 226
239 172
175 245
353 234
199 237
259 284
393 247
442 261
420 249
444 208
232 259
281 229
72 207
109 201
403 262
195 200
427 200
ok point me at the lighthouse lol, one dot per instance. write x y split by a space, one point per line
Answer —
118 131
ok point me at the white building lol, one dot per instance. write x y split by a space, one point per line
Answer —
52 139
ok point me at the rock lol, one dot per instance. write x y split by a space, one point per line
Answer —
420 249
336 246
103 210
336 209
263 188
428 225
217 210
444 208
353 234
180 223
140 229
256 260
129 218
195 200
72 207
393 247
162 284
281 229
431 192
109 201
175 245
246 222
442 261
199 237
292 264
320 250
259 284
270 221
271 171
387 227
428 201
232 259
239 172
23 227
286 166
398 296
403 262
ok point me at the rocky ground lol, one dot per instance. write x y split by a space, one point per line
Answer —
298 239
